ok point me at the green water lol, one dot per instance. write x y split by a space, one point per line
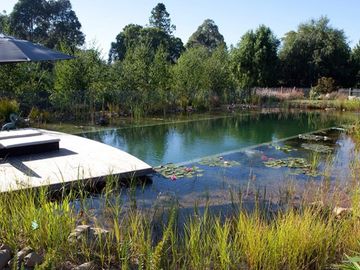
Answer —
193 139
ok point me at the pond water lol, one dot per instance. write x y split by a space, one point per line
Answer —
220 157
193 139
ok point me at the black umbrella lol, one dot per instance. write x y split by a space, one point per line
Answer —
14 50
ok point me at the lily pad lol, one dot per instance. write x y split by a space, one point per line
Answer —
174 172
312 137
318 148
300 165
284 148
219 162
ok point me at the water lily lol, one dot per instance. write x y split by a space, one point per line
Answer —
173 177
189 169
264 158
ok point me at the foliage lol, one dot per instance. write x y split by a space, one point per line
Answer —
4 23
174 172
134 80
325 85
159 34
160 82
189 82
160 19
291 238
46 22
254 61
7 106
206 35
315 50
135 35
80 83
219 162
355 59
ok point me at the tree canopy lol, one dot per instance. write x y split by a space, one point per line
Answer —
254 60
48 22
155 36
315 50
206 35
160 19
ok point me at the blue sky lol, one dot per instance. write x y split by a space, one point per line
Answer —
102 20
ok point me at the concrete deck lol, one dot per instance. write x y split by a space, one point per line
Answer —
77 159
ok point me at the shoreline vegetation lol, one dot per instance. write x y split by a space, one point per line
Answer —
316 228
150 71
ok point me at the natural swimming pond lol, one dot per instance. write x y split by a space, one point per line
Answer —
212 159
193 139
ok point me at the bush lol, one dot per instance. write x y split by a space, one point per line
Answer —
325 85
7 106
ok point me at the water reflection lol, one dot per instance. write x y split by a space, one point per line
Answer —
179 142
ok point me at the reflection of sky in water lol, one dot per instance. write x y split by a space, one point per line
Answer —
191 140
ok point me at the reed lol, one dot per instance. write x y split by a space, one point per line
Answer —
305 236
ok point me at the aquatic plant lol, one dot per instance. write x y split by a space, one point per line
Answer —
312 137
284 148
300 164
318 148
219 162
174 172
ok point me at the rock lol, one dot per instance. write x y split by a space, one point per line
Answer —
82 228
22 253
86 266
98 234
341 212
32 259
88 233
20 257
5 256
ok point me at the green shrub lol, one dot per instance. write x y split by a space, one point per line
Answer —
325 85
7 106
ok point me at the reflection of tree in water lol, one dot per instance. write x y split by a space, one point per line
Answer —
183 141
146 142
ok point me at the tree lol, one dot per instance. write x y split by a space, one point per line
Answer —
206 35
160 81
254 60
133 35
189 82
160 19
135 80
355 59
47 22
80 84
218 80
315 50
4 23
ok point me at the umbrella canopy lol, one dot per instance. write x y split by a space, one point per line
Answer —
14 50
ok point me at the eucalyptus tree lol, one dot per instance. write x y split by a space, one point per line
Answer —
254 61
47 22
206 35
315 50
133 35
160 19
158 34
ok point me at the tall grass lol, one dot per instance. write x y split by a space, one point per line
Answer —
303 236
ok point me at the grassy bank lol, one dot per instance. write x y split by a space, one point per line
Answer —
337 104
300 237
